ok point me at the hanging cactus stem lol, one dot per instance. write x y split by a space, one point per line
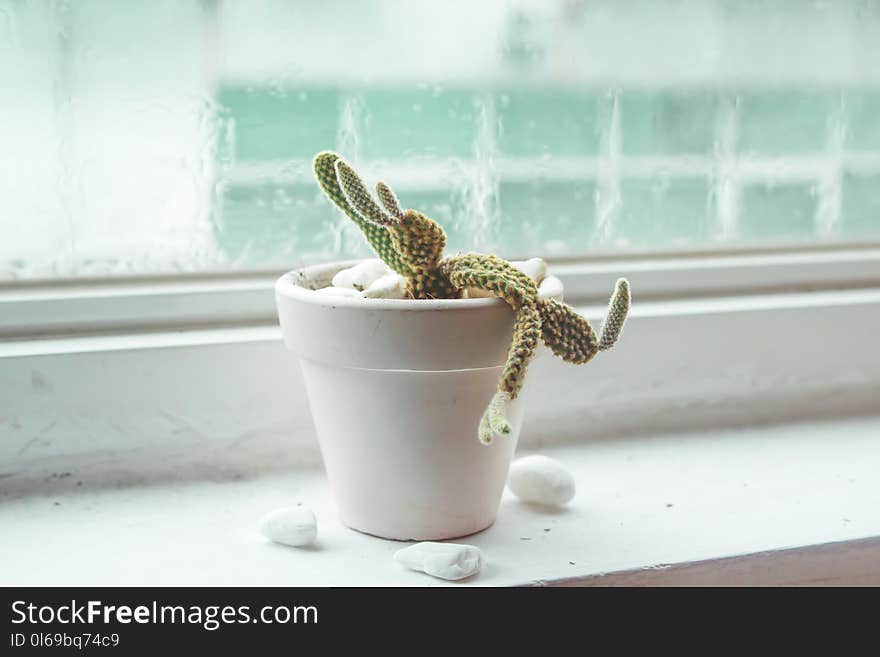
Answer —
412 245
618 309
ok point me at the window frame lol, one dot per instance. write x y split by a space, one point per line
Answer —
141 369
84 307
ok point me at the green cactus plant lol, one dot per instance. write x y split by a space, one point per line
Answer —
412 245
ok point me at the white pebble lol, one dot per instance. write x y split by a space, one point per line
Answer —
444 560
361 275
338 291
389 286
540 480
293 525
550 287
535 268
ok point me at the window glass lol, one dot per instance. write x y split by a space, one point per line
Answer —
160 136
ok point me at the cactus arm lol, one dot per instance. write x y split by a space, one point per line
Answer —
377 235
618 309
421 241
407 241
497 276
526 333
485 434
358 197
492 274
494 419
501 279
566 333
389 200
571 337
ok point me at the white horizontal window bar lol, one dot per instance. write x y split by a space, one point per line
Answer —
40 310
747 168
725 274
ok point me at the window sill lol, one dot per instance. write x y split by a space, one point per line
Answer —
233 397
193 429
801 498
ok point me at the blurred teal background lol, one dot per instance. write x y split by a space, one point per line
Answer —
155 137
669 159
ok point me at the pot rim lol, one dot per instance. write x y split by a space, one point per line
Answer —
434 335
292 285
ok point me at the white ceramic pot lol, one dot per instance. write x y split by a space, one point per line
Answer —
396 389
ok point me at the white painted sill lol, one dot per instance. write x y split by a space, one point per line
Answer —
792 504
183 429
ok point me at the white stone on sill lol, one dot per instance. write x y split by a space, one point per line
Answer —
452 561
541 480
295 526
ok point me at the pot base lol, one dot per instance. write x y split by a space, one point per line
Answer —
403 538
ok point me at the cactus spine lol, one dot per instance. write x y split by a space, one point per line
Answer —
412 245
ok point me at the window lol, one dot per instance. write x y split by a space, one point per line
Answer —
155 179
156 137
